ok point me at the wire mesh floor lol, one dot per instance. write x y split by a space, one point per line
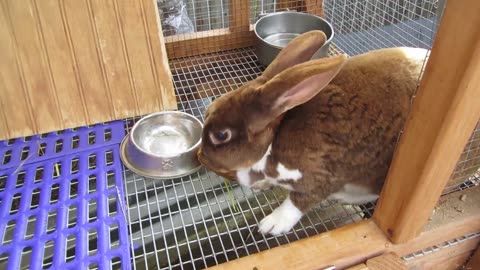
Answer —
192 222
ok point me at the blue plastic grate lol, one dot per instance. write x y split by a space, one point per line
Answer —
27 150
65 213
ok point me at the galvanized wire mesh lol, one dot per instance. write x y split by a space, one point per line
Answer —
193 222
193 27
440 246
362 25
468 166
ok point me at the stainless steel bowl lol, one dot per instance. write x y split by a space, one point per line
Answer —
274 31
163 145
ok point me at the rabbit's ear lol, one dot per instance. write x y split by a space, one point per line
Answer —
299 50
292 87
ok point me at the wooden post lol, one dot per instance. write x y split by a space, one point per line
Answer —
444 113
315 7
474 262
239 16
387 261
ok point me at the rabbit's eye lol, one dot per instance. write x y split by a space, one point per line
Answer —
220 137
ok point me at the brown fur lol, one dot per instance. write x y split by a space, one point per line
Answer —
344 134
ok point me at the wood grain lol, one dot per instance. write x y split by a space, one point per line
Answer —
207 42
140 59
62 65
239 15
13 92
387 261
443 116
160 63
361 266
72 63
111 48
87 56
33 63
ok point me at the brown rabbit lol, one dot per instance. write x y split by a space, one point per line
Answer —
323 129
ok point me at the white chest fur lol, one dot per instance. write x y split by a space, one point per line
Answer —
284 173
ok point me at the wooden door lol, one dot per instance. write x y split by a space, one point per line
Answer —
69 63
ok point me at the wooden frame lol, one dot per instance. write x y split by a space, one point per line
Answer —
356 243
443 115
239 35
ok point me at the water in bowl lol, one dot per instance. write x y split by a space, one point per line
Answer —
280 39
166 140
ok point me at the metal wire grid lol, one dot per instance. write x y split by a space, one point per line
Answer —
64 211
189 16
361 26
468 165
439 247
193 222
192 16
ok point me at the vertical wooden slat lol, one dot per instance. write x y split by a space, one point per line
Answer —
314 7
66 64
70 99
32 59
79 25
443 116
12 91
239 15
114 59
135 33
160 59
474 262
3 117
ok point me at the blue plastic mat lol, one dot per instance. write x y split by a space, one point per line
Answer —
66 212
21 151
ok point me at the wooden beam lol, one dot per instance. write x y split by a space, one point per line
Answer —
474 262
443 116
361 266
448 258
356 243
387 261
239 15
204 42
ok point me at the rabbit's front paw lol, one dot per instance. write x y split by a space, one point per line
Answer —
261 185
281 220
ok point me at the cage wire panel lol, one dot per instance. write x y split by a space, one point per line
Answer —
193 222
193 27
468 166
